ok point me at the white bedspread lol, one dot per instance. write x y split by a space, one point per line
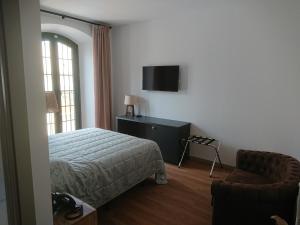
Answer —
97 165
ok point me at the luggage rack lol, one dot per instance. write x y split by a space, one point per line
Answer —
209 142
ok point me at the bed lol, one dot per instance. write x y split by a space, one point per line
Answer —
97 165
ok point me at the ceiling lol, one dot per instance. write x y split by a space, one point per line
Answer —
119 12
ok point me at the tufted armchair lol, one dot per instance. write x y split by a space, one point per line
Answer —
262 185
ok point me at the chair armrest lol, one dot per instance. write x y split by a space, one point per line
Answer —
272 193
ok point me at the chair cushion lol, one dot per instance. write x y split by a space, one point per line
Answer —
241 176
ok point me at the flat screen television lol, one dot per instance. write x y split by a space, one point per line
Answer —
161 78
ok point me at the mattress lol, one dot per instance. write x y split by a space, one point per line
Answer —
97 165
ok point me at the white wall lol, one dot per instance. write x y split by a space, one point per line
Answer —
81 34
240 72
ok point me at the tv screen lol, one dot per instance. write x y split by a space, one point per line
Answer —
160 78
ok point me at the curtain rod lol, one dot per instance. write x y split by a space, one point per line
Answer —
74 18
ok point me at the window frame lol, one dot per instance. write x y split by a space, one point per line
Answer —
54 38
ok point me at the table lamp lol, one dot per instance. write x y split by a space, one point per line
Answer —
51 102
130 101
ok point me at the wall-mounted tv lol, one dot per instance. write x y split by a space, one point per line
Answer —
161 78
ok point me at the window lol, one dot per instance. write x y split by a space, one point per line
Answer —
60 71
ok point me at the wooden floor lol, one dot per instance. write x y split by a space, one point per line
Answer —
185 200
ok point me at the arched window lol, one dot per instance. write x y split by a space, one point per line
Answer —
61 76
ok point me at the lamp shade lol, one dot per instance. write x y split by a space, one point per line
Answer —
51 102
130 100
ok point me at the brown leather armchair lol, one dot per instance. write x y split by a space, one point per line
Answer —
262 185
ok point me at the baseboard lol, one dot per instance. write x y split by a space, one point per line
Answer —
206 161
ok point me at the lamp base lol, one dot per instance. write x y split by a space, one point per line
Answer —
130 110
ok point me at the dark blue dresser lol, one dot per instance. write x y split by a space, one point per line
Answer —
166 133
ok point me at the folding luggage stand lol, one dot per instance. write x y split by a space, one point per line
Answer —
209 142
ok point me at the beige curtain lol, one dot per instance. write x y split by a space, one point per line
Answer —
102 76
